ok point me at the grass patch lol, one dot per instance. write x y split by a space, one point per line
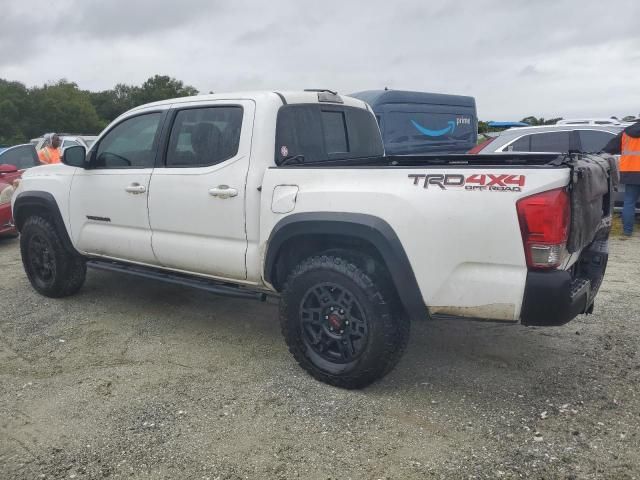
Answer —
616 225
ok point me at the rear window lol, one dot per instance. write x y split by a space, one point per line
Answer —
317 133
335 131
413 130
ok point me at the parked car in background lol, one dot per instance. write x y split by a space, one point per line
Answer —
421 123
560 138
68 140
7 188
13 161
550 138
22 156
591 121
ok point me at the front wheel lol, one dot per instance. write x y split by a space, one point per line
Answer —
339 325
52 270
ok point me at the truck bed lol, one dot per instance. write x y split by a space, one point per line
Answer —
456 216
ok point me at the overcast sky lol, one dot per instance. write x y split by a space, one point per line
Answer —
518 58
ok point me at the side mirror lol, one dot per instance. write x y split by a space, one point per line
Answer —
75 156
6 168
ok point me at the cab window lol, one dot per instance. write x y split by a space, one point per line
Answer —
130 144
204 136
308 133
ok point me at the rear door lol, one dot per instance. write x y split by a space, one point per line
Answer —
197 191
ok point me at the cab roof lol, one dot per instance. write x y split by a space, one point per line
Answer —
282 97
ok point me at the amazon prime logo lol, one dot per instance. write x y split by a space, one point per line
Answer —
451 127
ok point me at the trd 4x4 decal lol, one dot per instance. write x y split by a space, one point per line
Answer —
477 181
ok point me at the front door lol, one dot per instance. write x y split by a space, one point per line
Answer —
108 210
197 192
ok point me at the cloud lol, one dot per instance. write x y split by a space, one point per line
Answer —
530 71
545 58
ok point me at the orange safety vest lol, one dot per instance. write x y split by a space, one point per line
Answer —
630 154
49 155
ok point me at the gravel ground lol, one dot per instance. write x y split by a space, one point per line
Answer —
137 379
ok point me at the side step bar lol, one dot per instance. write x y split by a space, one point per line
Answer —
211 286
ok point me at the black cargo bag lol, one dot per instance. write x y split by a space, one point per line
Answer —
593 179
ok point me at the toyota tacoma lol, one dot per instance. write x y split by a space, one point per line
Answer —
290 195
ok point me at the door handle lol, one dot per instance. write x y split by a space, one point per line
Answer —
223 191
136 188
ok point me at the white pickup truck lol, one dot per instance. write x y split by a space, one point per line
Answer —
290 194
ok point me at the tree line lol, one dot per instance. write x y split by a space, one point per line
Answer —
26 113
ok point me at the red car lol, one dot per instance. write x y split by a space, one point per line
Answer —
13 161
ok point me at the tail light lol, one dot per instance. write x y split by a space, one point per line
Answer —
544 224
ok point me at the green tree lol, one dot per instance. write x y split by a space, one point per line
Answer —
14 98
161 87
109 104
62 107
533 121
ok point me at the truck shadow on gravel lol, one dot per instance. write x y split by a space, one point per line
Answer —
442 354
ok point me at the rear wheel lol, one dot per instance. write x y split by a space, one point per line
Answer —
52 270
339 325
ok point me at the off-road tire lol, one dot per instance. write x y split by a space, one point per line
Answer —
388 328
65 272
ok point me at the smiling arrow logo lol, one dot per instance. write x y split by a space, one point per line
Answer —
435 133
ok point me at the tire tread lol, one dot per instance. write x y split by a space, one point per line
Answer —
70 267
395 328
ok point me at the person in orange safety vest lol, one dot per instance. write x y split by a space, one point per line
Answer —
627 145
50 151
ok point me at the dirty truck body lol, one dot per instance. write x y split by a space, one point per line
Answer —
290 194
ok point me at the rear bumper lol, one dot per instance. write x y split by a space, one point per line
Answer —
556 297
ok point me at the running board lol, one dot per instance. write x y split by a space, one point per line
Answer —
211 286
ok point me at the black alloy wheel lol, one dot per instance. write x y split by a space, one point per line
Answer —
339 322
334 324
41 259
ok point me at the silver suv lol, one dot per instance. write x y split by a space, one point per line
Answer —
555 138
551 138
